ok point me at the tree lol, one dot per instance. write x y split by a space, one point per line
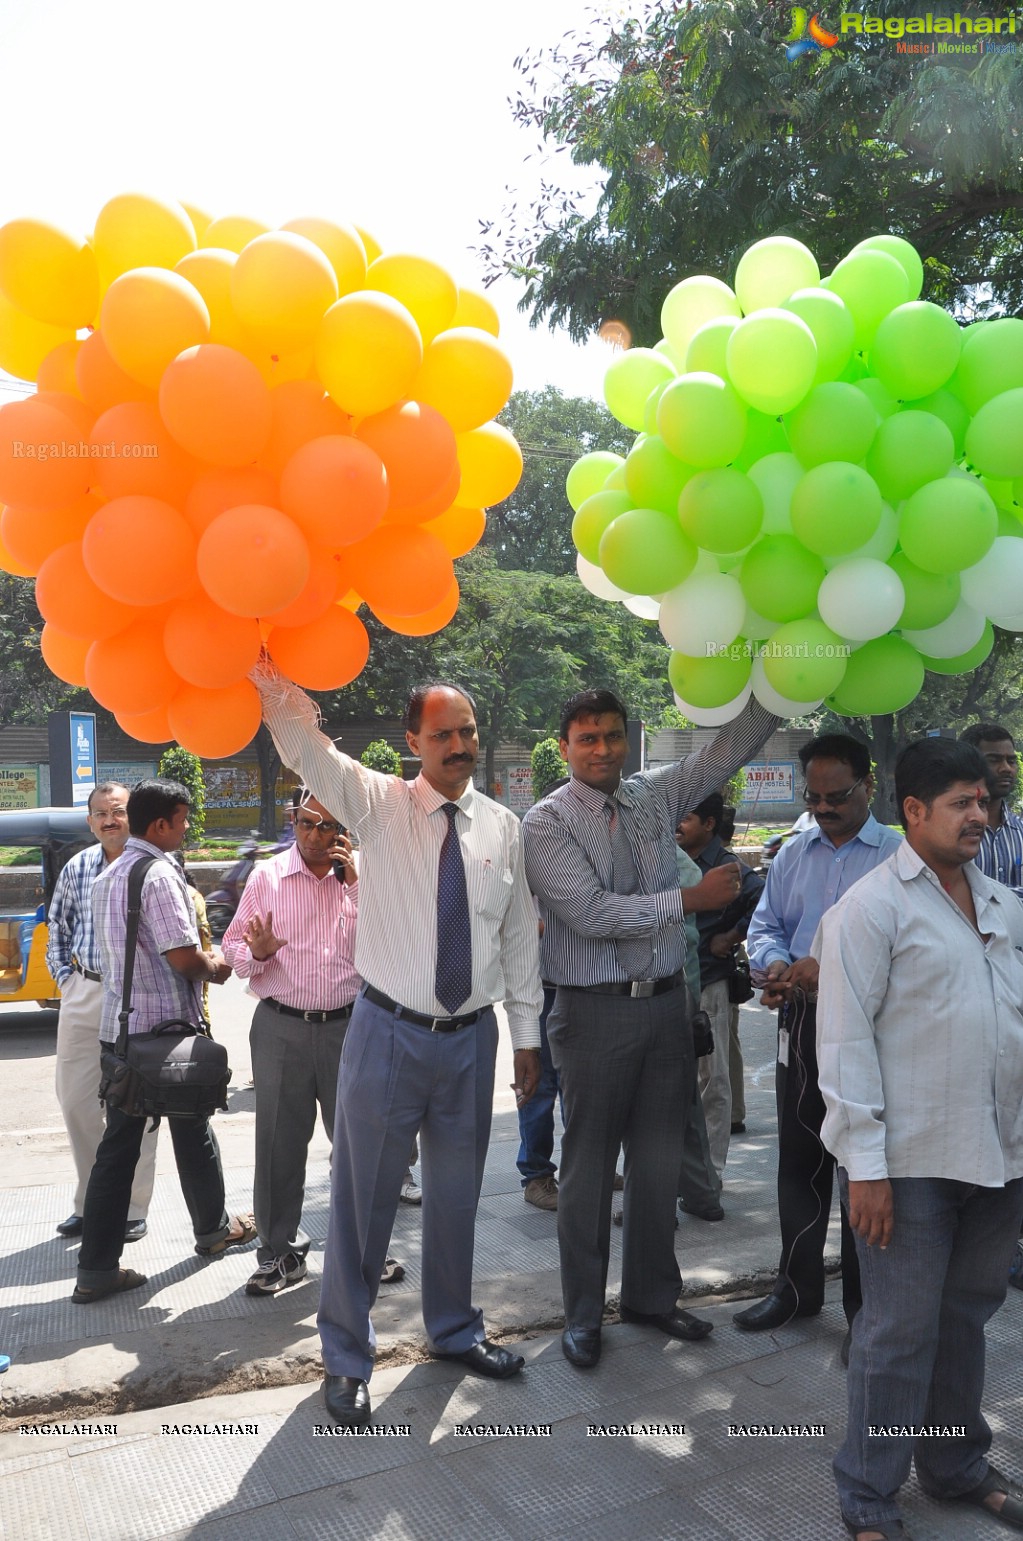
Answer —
379 756
532 529
704 138
546 765
28 691
177 764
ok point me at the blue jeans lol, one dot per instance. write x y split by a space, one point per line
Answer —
536 1119
917 1355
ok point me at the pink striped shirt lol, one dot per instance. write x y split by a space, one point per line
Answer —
316 917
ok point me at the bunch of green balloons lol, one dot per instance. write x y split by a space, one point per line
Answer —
825 495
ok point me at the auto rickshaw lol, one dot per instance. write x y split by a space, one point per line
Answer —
59 833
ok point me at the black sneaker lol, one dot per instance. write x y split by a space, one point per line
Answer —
273 1276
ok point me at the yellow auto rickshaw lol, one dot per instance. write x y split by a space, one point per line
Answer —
58 833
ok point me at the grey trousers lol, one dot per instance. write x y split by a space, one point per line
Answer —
395 1079
627 1073
294 1068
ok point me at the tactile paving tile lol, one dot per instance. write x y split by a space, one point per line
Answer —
794 1497
270 1524
427 1505
297 1461
42 1503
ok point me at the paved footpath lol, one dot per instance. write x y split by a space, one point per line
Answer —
189 1409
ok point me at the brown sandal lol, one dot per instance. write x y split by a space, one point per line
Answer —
392 1272
248 1233
127 1279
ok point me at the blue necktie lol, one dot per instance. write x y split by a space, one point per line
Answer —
454 937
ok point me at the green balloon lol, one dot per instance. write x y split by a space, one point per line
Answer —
629 381
772 359
882 676
710 681
722 510
650 410
966 662
646 552
764 436
1008 524
832 327
708 347
910 449
952 413
994 440
772 269
992 361
905 254
593 519
948 525
702 421
804 660
835 422
855 370
616 481
871 283
916 349
836 507
930 597
589 474
780 579
653 476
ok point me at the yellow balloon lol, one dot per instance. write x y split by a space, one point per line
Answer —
281 286
474 309
422 286
466 376
49 273
341 245
370 243
148 317
136 231
233 232
200 220
277 367
24 343
368 352
209 270
491 465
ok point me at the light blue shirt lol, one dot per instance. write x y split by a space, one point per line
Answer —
808 875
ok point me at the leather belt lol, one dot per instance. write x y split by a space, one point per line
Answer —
86 973
310 1016
638 989
435 1024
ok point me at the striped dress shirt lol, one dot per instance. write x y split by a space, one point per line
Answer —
72 934
316 918
401 826
568 859
1001 852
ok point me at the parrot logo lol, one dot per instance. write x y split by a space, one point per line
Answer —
807 35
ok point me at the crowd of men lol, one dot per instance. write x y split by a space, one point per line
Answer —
895 963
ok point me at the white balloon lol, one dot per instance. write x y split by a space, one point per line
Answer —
703 610
963 628
644 606
995 584
596 580
861 598
769 698
1008 622
776 477
713 716
706 562
880 545
756 627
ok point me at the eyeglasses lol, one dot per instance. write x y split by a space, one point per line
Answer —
321 826
833 799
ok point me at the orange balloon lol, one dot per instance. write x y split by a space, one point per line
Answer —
342 246
148 317
466 376
215 723
139 550
207 645
38 468
416 445
137 455
325 654
101 382
215 404
129 672
10 564
76 411
253 560
209 270
401 570
233 232
149 727
319 594
64 656
67 596
335 489
300 410
459 529
428 622
57 370
31 537
429 508
214 492
278 368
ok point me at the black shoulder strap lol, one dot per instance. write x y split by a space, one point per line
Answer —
136 878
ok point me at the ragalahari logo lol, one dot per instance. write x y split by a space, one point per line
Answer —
807 35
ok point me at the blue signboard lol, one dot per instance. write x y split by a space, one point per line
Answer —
83 756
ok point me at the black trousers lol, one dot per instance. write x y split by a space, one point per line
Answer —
806 1171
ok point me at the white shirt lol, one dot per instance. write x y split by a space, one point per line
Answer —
401 827
920 1028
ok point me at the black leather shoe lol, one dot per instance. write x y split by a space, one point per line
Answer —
581 1346
712 1212
676 1323
489 1359
775 1311
72 1226
135 1230
347 1400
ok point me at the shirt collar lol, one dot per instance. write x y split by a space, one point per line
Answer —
432 800
868 834
294 866
593 798
136 843
910 864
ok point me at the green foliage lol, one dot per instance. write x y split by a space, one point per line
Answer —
547 766
702 138
28 691
182 765
379 756
734 789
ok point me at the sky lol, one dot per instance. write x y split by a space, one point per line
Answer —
394 117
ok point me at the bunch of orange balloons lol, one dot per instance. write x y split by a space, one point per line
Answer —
238 437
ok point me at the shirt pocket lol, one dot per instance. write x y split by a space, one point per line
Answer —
489 888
